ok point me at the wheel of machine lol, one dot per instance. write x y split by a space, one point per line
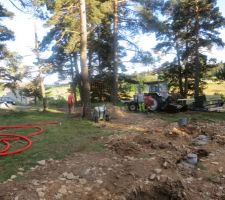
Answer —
107 118
96 119
132 107
155 105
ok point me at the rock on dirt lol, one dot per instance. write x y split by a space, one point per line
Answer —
69 176
13 177
82 181
63 190
20 173
165 165
35 182
157 171
99 181
41 162
152 177
201 140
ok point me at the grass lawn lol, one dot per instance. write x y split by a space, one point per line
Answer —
57 142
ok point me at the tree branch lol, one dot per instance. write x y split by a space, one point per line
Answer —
17 7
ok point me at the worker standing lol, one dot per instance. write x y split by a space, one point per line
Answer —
140 99
148 102
71 102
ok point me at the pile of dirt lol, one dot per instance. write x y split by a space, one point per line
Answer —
210 128
142 139
176 130
116 111
124 148
220 139
149 142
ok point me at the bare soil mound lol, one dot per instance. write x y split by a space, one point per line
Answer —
124 148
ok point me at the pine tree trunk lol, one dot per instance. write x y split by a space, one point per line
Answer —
197 72
185 82
73 84
114 95
196 50
77 76
83 62
43 94
180 78
35 100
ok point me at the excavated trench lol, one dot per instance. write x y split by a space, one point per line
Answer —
167 191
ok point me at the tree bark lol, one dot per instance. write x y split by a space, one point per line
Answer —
197 71
83 62
77 77
186 81
196 50
35 100
114 95
43 94
180 78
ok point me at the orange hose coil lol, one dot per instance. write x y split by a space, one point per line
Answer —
5 138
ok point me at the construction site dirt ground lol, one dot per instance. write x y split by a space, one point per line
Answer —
144 159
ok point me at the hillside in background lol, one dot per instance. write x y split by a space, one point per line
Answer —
58 92
211 88
215 87
61 91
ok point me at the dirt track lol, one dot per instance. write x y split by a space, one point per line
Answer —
142 160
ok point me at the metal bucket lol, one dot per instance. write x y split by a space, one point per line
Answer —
192 159
183 121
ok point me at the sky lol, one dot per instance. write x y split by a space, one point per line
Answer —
23 26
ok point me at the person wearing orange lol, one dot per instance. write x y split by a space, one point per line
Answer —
149 102
71 101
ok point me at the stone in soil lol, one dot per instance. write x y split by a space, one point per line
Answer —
69 176
41 162
201 140
63 190
157 171
152 177
13 177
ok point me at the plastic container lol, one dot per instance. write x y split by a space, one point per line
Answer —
192 158
183 121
